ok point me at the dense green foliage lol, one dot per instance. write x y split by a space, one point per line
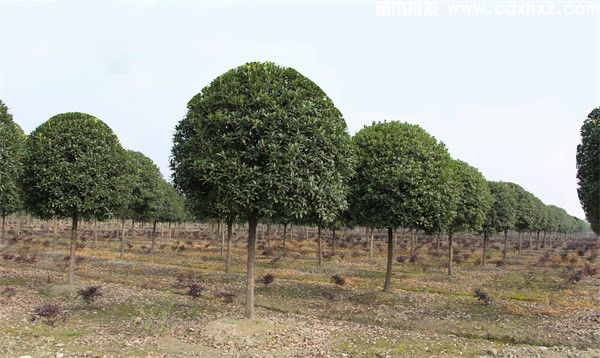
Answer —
74 163
473 198
502 214
588 169
402 178
171 206
147 182
12 140
262 139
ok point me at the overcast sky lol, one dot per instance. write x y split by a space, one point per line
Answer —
506 93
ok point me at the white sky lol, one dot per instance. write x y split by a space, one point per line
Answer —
505 93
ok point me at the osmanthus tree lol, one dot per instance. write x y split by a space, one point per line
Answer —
501 215
12 140
74 162
147 193
540 220
171 207
263 139
402 179
588 169
472 204
524 211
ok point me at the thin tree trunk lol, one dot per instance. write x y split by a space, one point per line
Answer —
284 238
505 253
485 239
319 250
371 244
122 249
95 233
228 254
412 242
269 235
390 258
333 242
72 252
544 241
252 223
450 254
3 228
520 242
222 239
530 242
153 236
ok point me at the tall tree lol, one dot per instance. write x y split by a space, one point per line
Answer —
263 139
73 166
402 180
12 141
501 216
525 212
473 202
588 169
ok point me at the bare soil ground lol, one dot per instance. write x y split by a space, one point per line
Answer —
537 308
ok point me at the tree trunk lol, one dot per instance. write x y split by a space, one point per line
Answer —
505 253
3 228
170 233
371 244
520 242
544 241
228 253
412 243
54 233
319 251
333 241
450 254
72 252
485 239
222 239
252 223
530 242
153 236
95 233
390 258
269 235
284 238
122 250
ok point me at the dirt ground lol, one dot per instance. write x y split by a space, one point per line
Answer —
543 303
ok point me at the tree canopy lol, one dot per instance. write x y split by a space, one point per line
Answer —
501 215
588 169
12 140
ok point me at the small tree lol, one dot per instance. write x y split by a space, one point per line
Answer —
588 169
73 166
501 216
263 139
525 211
12 140
473 202
402 180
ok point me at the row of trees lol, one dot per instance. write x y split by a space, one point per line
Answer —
262 143
73 166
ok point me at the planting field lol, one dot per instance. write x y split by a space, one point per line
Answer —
177 301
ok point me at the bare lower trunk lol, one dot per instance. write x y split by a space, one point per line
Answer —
222 239
122 250
537 241
252 223
450 255
412 243
371 244
505 253
95 233
530 242
170 233
153 236
72 252
544 241
319 250
269 235
228 253
390 258
284 238
520 242
3 228
485 239
333 242
54 233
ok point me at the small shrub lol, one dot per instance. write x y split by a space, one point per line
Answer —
195 290
267 251
24 259
329 295
46 243
266 279
89 294
184 280
401 259
414 257
338 280
129 245
8 256
482 296
9 291
49 313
